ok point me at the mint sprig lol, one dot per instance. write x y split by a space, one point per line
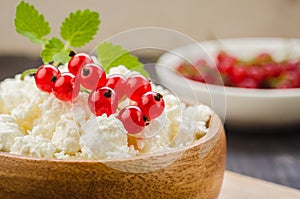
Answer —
77 30
110 55
31 24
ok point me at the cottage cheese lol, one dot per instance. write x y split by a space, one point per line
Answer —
104 137
33 146
9 129
37 124
66 136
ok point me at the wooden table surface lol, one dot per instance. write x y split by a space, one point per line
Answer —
272 156
244 187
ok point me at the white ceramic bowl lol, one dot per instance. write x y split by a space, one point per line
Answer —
238 106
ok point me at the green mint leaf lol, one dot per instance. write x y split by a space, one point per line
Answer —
80 27
31 24
55 51
110 55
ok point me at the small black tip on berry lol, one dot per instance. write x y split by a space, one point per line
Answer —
53 79
146 120
72 53
86 72
107 94
158 96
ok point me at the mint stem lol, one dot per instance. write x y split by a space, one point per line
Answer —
56 64
28 72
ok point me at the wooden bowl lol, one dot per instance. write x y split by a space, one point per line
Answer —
195 171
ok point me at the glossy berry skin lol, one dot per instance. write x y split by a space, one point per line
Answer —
78 61
226 64
46 77
118 83
238 74
103 101
152 104
256 73
136 86
248 83
133 119
92 76
65 87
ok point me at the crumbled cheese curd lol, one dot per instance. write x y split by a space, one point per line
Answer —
9 129
104 137
33 146
36 124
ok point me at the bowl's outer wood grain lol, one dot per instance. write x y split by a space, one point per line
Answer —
197 173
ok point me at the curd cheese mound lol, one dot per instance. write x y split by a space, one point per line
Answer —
66 136
104 137
9 129
193 125
15 92
37 124
33 146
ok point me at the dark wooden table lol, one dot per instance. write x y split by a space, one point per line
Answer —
272 156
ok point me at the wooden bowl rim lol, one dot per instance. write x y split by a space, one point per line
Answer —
214 127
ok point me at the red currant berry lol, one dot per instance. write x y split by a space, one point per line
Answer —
92 76
226 65
256 73
46 77
65 88
152 104
248 83
221 56
272 70
103 101
238 74
118 83
133 119
136 86
77 61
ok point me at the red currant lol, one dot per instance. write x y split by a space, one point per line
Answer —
92 76
248 83
77 61
136 86
226 64
272 70
221 56
152 104
46 77
238 74
118 83
133 119
260 72
256 73
103 101
65 87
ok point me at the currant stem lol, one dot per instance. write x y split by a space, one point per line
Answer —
82 89
28 72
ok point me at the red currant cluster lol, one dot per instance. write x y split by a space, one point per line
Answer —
260 72
105 93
